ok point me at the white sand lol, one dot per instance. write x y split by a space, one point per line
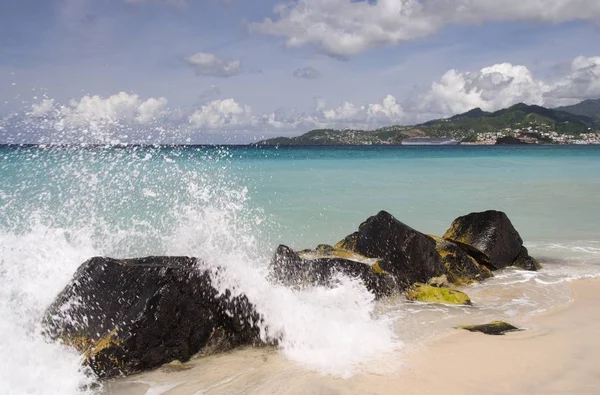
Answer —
560 356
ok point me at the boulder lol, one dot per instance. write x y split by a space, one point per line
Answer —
319 266
430 294
348 243
524 261
493 328
409 255
130 315
461 267
488 236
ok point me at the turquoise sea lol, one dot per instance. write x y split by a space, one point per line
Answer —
232 206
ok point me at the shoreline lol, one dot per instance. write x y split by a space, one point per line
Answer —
557 355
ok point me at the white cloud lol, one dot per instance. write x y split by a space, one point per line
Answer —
150 109
343 27
96 112
229 114
491 88
389 109
583 82
220 114
42 108
503 85
350 115
211 65
308 73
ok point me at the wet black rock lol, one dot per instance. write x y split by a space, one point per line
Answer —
319 267
493 328
130 315
409 255
527 262
487 236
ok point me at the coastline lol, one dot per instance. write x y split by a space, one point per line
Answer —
556 355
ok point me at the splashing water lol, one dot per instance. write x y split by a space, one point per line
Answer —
61 206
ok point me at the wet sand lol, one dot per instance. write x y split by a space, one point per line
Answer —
558 354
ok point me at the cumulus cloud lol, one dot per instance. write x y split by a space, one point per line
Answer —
98 113
211 65
490 88
502 85
308 73
42 108
352 115
343 28
219 114
121 107
583 82
229 114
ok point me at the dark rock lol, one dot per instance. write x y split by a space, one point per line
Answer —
461 267
130 315
488 236
510 140
524 261
493 328
318 267
409 255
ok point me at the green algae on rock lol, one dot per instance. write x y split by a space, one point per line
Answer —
348 243
493 328
430 294
461 267
319 266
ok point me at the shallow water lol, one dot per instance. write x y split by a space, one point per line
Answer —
231 207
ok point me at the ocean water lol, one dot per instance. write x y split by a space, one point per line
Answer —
232 207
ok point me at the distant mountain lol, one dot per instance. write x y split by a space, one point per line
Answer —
392 135
515 117
460 127
589 108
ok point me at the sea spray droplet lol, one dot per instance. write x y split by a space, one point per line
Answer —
65 205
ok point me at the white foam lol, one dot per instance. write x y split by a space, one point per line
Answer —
331 330
34 267
203 213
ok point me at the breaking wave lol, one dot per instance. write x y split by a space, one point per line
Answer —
61 206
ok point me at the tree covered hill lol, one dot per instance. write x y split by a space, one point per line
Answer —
589 108
571 120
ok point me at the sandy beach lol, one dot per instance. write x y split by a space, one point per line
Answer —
558 354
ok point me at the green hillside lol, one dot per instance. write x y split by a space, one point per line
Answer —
515 117
464 126
392 135
589 108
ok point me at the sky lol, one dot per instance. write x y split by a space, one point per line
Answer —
214 71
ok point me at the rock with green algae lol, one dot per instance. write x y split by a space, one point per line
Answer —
493 328
487 236
527 262
348 243
319 266
431 294
130 315
461 267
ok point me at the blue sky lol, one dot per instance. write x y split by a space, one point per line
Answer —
240 70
